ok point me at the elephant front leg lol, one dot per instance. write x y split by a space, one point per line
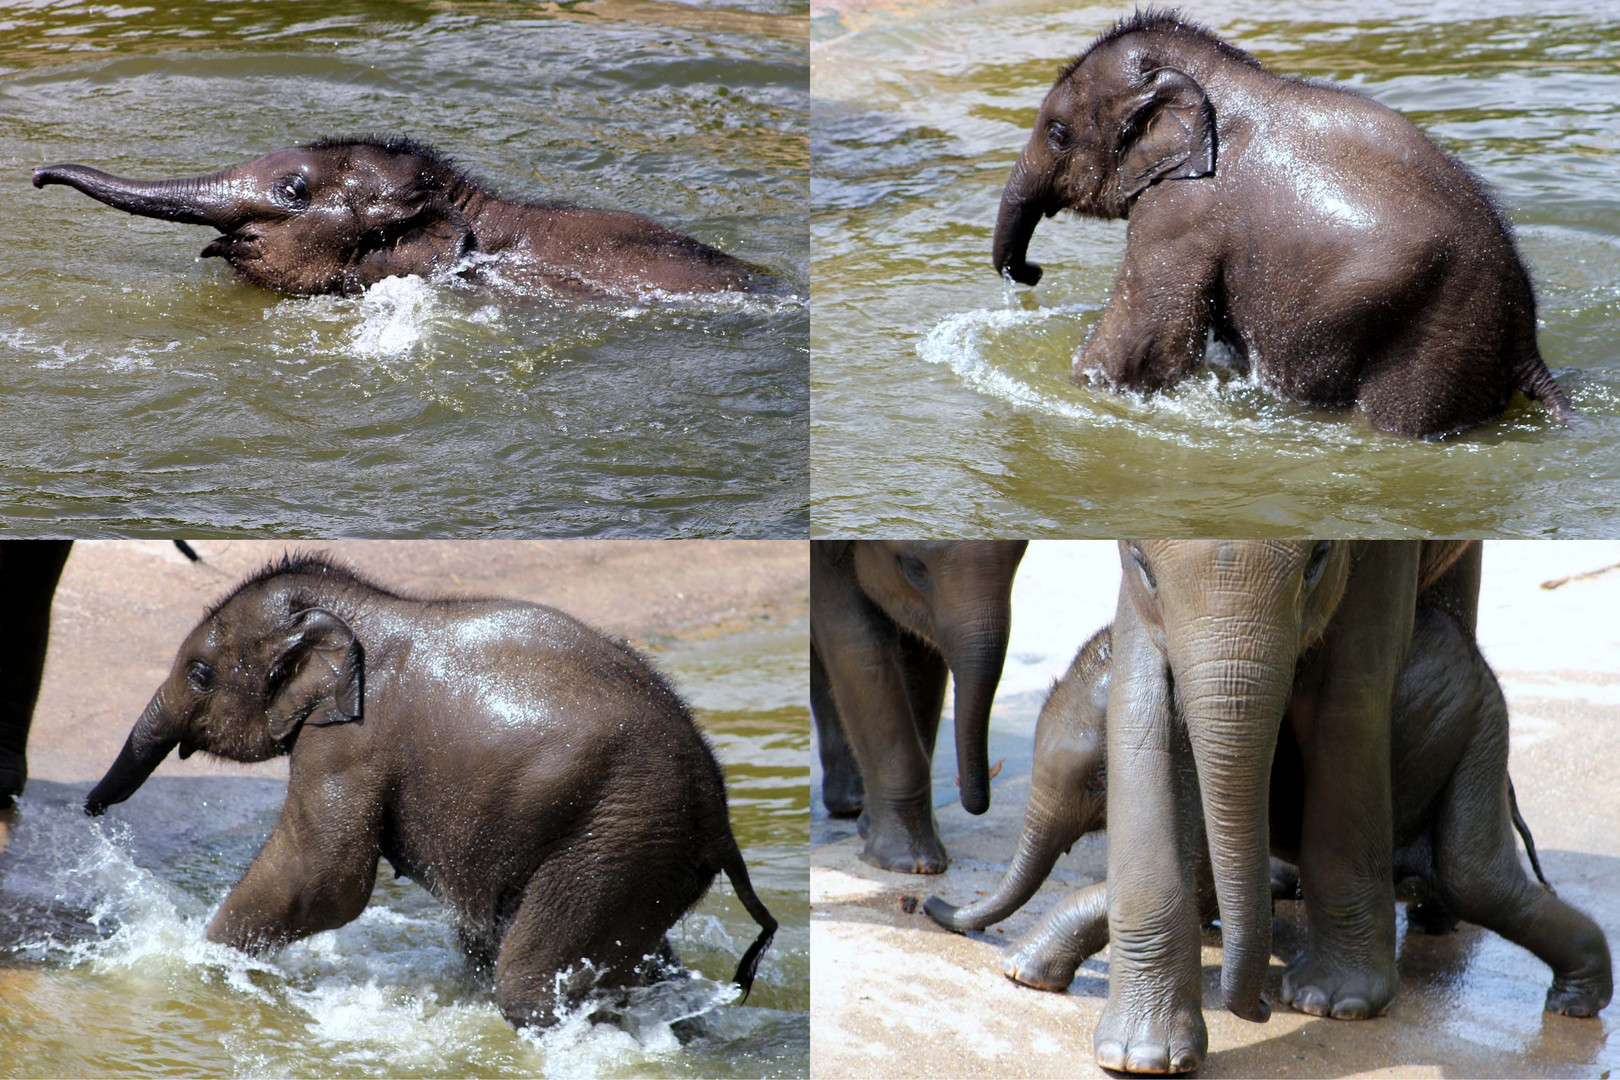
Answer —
315 873
873 693
1346 871
29 570
1151 333
1047 957
1153 1022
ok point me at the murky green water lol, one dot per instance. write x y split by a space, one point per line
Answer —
942 400
104 969
145 392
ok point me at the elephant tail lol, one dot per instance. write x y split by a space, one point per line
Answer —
1537 382
1524 833
731 861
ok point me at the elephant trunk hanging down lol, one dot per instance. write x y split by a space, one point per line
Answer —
1320 236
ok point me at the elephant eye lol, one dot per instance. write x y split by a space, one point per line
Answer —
1319 554
915 569
1058 135
200 677
1142 565
292 189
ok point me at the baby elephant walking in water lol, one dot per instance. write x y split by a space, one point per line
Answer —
536 777
339 215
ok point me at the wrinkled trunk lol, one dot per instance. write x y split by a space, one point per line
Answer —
1023 202
202 200
975 661
1047 834
148 744
1233 707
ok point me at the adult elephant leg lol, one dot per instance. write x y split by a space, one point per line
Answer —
29 571
841 790
861 652
1153 1021
926 679
1341 719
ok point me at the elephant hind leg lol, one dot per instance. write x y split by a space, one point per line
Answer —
1482 880
585 924
841 790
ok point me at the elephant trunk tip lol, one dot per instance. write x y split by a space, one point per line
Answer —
43 176
945 914
1251 1007
1020 272
975 799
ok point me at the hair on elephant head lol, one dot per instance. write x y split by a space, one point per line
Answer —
497 752
889 621
1319 235
338 215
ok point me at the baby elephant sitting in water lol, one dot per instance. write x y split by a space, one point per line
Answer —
339 215
536 777
1453 808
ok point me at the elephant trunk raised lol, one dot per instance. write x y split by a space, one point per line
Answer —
1233 706
1024 201
975 658
148 744
201 200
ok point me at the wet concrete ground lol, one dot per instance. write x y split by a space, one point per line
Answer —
893 994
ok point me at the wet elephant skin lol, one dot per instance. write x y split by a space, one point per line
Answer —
538 778
339 215
1345 258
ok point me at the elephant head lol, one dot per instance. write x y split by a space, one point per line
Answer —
331 217
957 596
248 678
1121 117
1231 620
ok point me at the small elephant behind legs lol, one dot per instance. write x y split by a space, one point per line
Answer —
1455 817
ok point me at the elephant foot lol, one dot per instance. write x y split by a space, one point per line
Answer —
842 799
1032 965
904 851
1430 917
1327 989
1151 1041
1580 996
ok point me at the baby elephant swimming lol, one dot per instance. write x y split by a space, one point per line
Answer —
539 779
339 215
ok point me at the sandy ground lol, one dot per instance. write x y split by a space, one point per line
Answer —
893 994
123 607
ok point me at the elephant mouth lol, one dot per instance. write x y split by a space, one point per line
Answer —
233 247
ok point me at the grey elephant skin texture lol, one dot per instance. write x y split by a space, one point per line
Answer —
339 215
538 778
1453 805
1341 255
890 621
1218 647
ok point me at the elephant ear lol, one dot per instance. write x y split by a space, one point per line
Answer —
434 239
1170 135
319 676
